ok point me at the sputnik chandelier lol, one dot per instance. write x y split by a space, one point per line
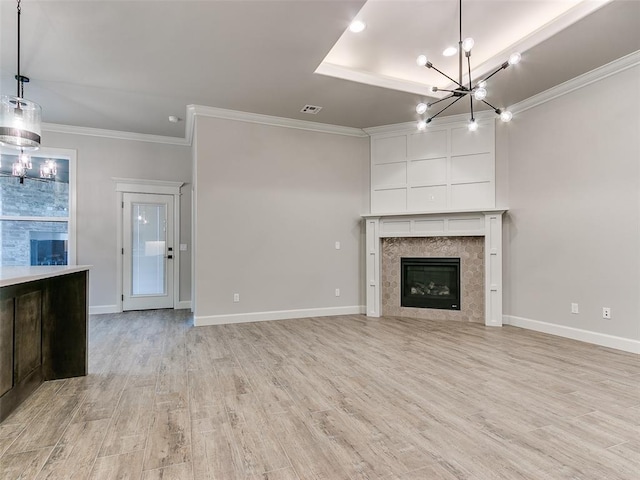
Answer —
20 125
474 90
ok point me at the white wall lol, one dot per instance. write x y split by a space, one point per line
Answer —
270 203
573 226
98 160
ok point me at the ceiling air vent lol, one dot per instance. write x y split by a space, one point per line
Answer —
312 109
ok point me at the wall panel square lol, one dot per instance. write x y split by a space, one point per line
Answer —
389 201
389 149
472 195
427 198
472 168
428 172
389 174
464 142
430 144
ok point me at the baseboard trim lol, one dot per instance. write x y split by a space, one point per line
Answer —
100 309
183 305
276 315
602 339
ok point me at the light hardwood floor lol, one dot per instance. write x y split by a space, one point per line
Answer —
330 398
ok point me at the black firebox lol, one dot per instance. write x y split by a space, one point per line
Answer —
430 282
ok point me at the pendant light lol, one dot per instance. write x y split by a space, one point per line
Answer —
20 118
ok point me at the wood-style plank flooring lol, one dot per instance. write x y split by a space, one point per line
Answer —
330 398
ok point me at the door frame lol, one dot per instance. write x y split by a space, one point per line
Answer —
162 187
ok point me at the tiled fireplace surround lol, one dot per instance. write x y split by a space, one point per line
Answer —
473 236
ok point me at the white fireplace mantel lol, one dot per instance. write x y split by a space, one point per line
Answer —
485 223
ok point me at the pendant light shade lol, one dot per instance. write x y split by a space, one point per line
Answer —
20 121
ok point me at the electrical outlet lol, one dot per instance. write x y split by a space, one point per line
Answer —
574 308
337 292
337 245
606 313
236 297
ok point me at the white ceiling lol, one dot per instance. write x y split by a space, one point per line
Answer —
128 65
400 31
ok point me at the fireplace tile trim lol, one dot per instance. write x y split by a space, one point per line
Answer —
484 223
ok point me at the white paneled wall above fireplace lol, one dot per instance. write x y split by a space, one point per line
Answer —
446 167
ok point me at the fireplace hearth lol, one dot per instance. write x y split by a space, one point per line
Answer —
430 282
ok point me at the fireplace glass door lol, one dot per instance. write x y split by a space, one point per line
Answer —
429 282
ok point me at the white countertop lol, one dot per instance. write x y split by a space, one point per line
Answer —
15 275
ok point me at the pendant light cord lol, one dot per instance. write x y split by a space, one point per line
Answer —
18 77
459 82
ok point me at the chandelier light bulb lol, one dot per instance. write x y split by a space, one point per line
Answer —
48 170
480 94
421 108
450 51
506 116
467 44
482 84
357 26
422 125
473 125
421 60
25 161
17 169
514 58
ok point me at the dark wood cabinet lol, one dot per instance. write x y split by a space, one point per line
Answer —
43 335
6 345
28 334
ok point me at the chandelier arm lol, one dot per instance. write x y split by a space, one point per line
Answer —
444 74
501 67
470 88
441 100
434 116
496 109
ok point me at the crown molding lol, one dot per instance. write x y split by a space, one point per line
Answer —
481 117
273 121
600 73
116 134
595 75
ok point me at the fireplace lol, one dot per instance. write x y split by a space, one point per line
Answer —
473 236
430 282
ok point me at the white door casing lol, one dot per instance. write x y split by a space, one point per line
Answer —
159 187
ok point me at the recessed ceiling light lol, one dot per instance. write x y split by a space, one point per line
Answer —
357 26
174 119
450 51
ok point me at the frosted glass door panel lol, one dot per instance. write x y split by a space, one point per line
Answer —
147 228
149 240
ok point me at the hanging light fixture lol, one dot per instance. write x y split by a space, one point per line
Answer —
459 91
19 118
23 163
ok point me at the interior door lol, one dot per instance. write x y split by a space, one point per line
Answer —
147 251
